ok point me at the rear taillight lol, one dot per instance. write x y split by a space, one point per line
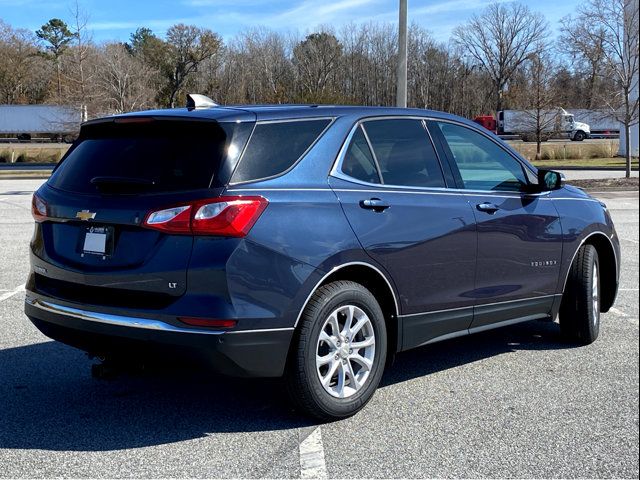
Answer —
223 216
38 209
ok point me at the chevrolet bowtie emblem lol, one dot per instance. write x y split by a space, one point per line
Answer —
86 215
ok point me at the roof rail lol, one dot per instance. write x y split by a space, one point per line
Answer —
195 100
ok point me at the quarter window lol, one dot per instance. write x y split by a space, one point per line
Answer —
483 165
404 153
275 147
358 162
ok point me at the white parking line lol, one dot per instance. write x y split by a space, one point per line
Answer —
615 311
11 293
312 456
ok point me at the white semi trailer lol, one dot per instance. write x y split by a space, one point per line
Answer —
601 123
554 124
26 122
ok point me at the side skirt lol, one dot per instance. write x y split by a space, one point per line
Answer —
431 327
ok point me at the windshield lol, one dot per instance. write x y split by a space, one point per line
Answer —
150 156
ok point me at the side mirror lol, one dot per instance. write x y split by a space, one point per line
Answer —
550 180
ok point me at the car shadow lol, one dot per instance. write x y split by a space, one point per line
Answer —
49 401
534 335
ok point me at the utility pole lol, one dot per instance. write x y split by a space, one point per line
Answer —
401 94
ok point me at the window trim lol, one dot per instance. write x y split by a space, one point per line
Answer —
336 168
294 164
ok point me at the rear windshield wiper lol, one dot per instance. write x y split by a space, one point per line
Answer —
122 183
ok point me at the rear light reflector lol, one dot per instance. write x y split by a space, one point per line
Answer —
208 322
231 216
38 209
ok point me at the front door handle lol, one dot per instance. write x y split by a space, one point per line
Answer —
374 204
487 207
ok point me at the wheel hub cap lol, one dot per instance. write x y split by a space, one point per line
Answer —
345 351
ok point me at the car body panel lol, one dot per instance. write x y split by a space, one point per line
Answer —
519 251
426 242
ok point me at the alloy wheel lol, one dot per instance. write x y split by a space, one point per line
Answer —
345 351
595 295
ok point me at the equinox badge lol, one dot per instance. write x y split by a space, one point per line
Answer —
86 215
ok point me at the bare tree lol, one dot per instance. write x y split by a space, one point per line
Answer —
18 58
317 59
267 69
355 63
124 80
584 40
77 74
539 98
430 71
188 47
500 40
382 51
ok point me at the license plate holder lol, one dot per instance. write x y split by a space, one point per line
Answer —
97 241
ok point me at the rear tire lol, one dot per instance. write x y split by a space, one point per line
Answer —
339 352
580 308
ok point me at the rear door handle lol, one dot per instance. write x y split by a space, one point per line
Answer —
374 204
488 207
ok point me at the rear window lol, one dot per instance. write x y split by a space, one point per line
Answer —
404 153
274 147
155 156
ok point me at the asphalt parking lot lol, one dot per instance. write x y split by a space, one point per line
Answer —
515 402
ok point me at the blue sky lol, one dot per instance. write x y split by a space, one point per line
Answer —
116 19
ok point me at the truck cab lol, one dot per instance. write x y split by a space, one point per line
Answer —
576 131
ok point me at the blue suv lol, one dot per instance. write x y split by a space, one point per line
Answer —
310 242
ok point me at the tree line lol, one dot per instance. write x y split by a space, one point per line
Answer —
507 56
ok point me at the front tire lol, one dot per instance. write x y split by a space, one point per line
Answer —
579 136
339 352
580 308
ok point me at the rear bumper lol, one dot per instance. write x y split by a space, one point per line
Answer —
249 353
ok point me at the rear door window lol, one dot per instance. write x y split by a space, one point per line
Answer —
151 156
404 152
274 147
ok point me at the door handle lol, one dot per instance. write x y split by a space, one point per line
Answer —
487 207
374 204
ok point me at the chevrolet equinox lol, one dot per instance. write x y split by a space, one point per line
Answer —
310 242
